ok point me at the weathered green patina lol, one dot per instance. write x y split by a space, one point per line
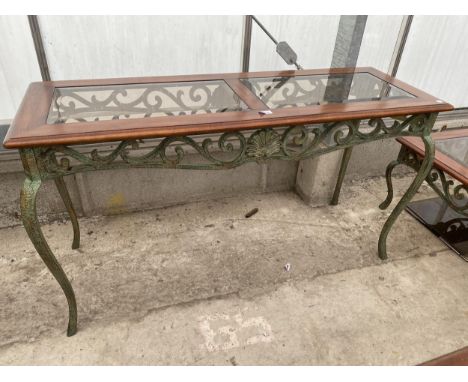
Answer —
232 149
455 194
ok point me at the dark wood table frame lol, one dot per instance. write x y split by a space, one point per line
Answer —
48 151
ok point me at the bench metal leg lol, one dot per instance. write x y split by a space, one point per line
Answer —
423 171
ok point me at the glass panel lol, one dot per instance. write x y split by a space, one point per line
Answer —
443 221
455 148
99 103
280 92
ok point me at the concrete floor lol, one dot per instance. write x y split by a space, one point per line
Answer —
198 284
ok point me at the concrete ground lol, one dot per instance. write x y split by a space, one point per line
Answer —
199 284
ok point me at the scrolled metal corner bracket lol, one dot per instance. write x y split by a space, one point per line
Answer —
453 193
456 195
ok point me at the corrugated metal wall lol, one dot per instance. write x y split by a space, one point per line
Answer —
435 57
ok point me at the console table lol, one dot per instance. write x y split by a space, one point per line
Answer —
249 117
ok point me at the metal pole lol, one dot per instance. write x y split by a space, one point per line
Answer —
348 41
247 43
400 45
264 29
346 53
282 47
39 46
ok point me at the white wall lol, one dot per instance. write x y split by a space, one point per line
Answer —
125 46
378 43
312 38
18 63
435 58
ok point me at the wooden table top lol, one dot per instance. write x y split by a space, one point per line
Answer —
454 164
89 111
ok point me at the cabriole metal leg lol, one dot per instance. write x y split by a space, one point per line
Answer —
388 177
426 166
63 191
31 224
343 167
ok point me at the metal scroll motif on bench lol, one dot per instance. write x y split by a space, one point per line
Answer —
454 193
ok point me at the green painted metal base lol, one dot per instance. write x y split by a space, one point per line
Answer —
424 169
453 193
233 149
63 191
31 224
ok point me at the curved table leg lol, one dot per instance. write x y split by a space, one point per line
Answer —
388 178
62 189
426 166
31 224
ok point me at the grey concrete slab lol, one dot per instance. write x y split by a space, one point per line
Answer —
316 178
360 217
201 284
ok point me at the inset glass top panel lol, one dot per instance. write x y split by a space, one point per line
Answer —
100 103
455 148
320 89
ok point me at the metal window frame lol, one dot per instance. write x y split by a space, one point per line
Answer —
39 47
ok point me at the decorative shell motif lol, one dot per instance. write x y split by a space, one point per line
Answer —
263 144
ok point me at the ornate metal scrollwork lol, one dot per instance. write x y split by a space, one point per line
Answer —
282 92
232 148
453 226
455 194
142 101
263 144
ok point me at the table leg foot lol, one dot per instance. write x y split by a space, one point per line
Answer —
31 224
63 191
410 192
